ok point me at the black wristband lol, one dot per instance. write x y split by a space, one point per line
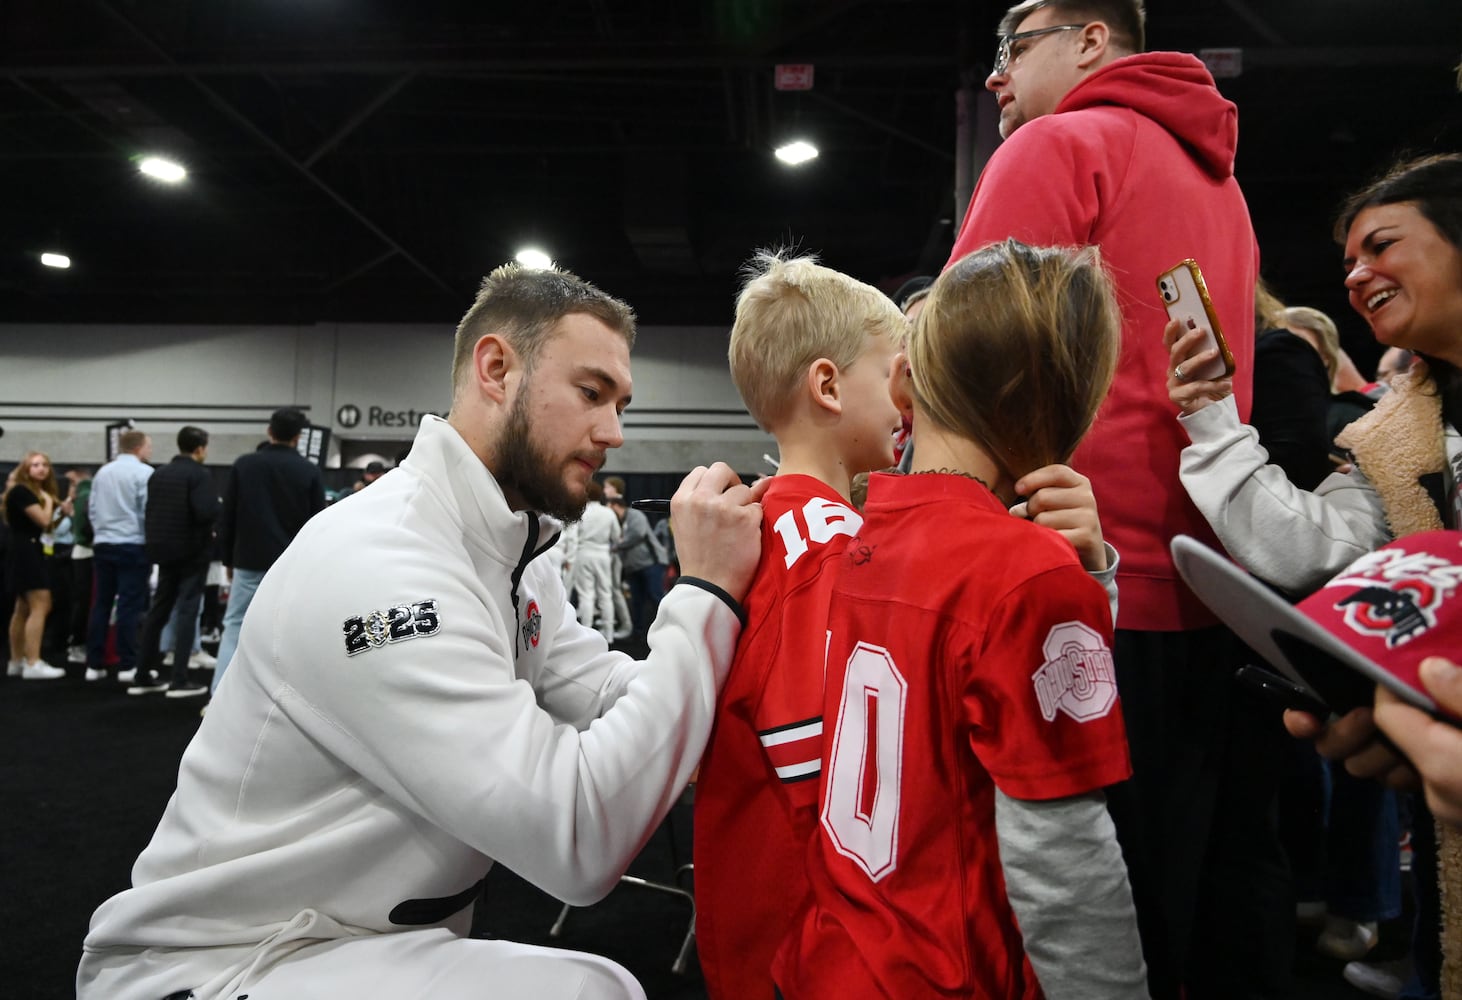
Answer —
711 588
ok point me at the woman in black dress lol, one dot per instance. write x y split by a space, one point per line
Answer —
30 509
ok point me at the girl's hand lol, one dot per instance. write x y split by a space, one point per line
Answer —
1060 498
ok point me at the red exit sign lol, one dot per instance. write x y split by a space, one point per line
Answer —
794 76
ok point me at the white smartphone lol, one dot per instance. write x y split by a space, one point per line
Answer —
1185 297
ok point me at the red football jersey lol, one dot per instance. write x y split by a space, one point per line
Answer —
756 797
967 649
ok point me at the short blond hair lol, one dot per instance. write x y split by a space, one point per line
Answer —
1323 327
525 305
792 311
1015 350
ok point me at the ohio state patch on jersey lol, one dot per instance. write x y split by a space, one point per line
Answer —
395 624
1077 677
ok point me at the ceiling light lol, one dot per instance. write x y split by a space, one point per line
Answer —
796 153
163 170
55 260
533 259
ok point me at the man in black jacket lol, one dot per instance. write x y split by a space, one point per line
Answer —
270 496
182 506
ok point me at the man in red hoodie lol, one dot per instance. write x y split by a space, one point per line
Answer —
1133 151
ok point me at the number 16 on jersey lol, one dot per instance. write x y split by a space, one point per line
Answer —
824 520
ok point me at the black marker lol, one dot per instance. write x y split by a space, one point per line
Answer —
653 506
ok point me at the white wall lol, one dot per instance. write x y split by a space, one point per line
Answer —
60 385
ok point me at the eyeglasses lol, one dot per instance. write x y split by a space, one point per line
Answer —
1003 54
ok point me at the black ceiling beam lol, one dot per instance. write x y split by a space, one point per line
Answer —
358 119
1252 18
356 272
487 64
868 119
244 122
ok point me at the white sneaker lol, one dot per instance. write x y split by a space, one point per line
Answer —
40 670
1379 979
95 674
76 654
167 659
200 660
1346 939
15 668
127 676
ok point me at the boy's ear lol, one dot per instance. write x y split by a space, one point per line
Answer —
823 385
901 384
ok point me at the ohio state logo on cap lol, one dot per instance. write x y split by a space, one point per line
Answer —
1399 604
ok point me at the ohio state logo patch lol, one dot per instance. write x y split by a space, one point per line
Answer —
1398 594
1077 677
532 625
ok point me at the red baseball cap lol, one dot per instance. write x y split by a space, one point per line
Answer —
1375 622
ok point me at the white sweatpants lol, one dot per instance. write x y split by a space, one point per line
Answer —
438 965
430 964
592 586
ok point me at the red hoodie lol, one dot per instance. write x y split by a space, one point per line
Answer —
1138 159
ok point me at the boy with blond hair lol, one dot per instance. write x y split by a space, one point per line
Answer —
812 352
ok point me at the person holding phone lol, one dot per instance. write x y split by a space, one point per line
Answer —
1402 236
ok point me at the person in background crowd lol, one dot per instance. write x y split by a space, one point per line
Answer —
182 505
1350 396
1291 393
598 531
644 563
31 507
372 472
118 510
270 495
55 641
81 566
1394 361
623 625
1403 263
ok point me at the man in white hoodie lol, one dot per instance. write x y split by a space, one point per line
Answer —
411 702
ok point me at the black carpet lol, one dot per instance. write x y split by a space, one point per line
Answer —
87 771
